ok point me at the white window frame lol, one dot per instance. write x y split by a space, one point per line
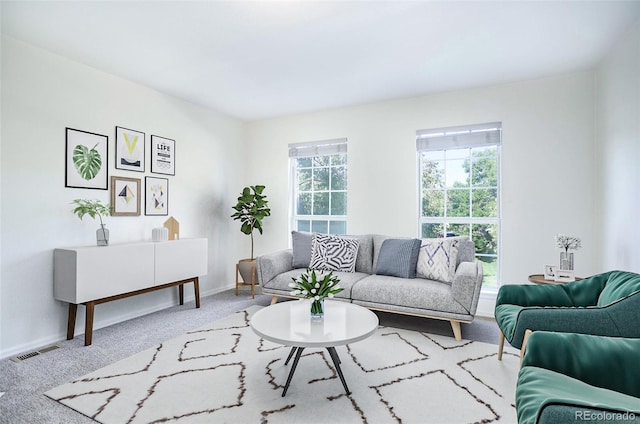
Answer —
455 138
310 150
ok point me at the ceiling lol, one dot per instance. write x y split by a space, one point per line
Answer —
263 59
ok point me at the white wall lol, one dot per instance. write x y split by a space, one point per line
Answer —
548 160
42 94
618 159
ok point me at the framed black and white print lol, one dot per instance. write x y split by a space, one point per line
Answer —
129 149
156 196
163 155
86 160
125 196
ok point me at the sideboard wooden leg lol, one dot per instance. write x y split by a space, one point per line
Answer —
196 290
88 325
181 293
71 322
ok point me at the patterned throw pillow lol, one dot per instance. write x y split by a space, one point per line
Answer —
438 259
333 253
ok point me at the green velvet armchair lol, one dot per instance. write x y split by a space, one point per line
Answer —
572 378
606 304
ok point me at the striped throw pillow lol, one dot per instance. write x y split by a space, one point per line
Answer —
333 253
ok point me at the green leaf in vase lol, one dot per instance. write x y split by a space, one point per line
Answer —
87 162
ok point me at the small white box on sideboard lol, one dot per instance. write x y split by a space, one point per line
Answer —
97 274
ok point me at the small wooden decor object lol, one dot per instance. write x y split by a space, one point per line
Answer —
173 226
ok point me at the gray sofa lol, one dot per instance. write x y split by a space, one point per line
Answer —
455 300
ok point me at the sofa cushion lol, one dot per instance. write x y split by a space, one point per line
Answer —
333 253
301 244
280 284
364 259
417 293
438 259
398 258
466 249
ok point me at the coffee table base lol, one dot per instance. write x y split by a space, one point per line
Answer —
298 352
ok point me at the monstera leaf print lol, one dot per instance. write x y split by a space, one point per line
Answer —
87 162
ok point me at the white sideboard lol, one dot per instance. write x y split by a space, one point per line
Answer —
97 274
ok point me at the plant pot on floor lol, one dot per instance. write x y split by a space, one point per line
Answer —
246 269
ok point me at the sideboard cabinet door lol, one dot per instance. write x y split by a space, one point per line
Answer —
88 273
180 259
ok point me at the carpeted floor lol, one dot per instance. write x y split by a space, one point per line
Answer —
24 383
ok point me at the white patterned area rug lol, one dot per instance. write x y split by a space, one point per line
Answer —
224 373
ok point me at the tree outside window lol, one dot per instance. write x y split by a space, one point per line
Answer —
460 197
320 193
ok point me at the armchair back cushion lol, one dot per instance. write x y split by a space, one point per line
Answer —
564 374
619 285
581 356
578 293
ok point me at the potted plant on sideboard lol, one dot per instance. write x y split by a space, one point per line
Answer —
251 209
93 208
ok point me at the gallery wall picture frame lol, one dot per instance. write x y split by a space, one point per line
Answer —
550 272
163 155
564 276
125 196
130 144
156 196
86 159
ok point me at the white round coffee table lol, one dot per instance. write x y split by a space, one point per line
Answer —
290 324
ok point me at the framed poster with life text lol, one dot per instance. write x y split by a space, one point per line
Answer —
163 155
129 149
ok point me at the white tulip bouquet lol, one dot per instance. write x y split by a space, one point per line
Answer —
317 287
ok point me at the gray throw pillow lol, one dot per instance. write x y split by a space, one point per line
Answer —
301 244
398 258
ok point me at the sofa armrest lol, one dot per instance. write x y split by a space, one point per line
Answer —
466 285
273 264
606 362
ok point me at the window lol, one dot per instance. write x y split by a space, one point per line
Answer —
319 186
460 189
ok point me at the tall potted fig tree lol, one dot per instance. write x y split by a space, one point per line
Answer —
251 209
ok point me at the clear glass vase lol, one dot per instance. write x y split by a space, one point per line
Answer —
566 261
102 235
317 309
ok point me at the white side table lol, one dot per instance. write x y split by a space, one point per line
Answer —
290 324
